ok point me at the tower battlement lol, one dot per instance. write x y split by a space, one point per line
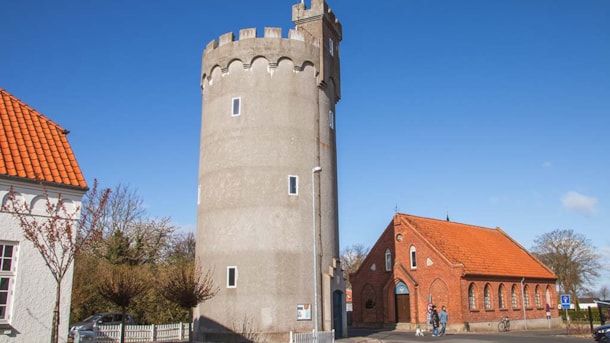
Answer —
297 46
319 9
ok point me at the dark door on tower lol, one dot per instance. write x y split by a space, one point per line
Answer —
403 303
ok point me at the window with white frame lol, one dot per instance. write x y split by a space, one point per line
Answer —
487 296
526 296
413 256
537 295
331 119
8 252
236 106
331 47
232 277
513 296
472 299
293 185
388 260
501 300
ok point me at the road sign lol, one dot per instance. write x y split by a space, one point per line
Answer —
565 301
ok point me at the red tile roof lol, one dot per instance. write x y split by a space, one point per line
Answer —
482 251
34 147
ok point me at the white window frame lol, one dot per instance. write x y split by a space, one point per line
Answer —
502 297
8 275
472 297
388 260
296 184
331 119
514 301
487 296
229 284
413 257
235 110
331 47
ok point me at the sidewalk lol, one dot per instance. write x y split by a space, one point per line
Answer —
359 335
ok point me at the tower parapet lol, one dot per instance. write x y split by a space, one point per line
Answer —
297 47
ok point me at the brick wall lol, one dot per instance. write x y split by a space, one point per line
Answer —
436 278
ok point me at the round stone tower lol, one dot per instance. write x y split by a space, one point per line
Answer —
267 221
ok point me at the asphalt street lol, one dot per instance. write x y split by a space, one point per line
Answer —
535 336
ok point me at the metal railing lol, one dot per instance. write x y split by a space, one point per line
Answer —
312 337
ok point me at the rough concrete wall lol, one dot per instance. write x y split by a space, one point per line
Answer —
246 217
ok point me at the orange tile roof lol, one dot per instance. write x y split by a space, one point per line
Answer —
482 251
34 147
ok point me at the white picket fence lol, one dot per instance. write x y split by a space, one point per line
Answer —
312 337
143 333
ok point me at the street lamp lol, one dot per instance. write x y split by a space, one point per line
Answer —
315 258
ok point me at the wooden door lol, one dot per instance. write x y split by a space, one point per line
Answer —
403 308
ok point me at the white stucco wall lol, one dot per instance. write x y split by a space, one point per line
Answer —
32 294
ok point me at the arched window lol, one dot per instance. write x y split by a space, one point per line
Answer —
487 295
388 260
547 295
413 257
526 296
537 297
513 296
501 299
472 299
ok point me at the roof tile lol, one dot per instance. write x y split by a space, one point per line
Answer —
34 147
482 251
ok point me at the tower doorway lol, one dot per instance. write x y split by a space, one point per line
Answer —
338 313
403 303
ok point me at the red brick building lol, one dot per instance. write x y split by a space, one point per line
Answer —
480 274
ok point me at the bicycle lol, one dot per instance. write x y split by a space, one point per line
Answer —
504 324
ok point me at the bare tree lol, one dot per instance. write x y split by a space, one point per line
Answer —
120 284
351 259
186 285
129 233
571 256
183 248
61 235
603 292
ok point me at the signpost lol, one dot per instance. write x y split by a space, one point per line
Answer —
565 304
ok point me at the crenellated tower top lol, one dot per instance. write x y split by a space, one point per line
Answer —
320 22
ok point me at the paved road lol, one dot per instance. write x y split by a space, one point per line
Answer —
539 336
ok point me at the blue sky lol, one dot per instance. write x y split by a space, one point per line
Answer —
495 112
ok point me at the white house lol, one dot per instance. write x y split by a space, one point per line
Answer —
33 150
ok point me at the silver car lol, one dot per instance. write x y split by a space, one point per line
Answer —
106 318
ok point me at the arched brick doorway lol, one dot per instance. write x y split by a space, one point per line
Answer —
403 303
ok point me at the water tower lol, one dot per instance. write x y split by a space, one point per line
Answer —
267 219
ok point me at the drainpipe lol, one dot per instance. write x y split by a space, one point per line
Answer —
523 302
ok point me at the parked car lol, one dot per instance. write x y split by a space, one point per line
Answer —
106 318
606 337
600 331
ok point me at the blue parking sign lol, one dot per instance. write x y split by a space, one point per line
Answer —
565 301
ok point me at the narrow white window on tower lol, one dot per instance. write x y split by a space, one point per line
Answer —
293 185
232 277
331 119
236 106
331 47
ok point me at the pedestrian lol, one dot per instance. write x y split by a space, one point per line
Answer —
435 321
548 311
443 318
